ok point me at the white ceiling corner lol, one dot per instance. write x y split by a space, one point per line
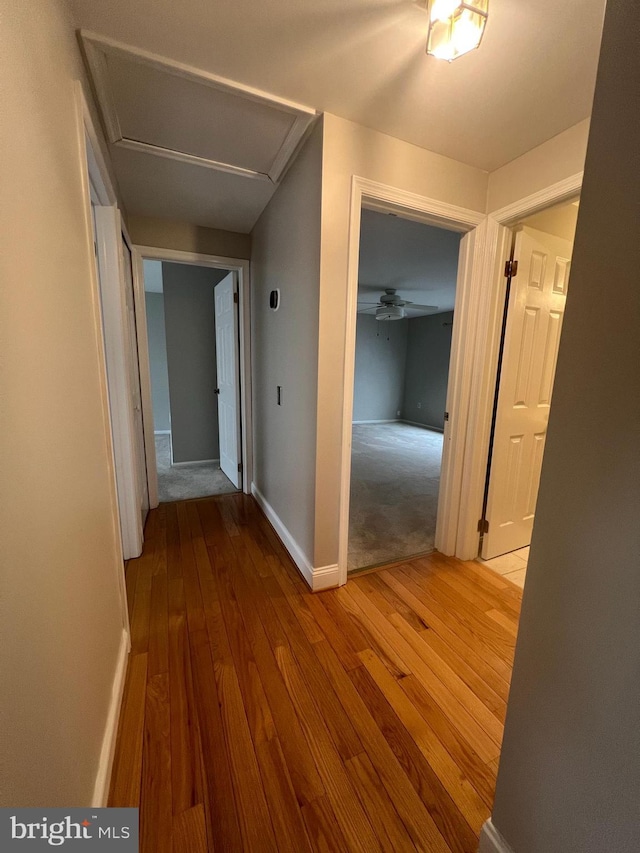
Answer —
226 144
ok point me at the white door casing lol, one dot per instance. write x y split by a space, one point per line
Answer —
532 336
228 372
134 382
117 355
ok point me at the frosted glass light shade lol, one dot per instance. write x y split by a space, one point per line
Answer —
455 28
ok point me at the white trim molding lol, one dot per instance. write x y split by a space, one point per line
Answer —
105 765
323 577
484 352
193 462
384 421
97 48
422 426
564 190
97 186
491 841
376 196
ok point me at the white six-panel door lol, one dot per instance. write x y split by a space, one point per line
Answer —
228 370
532 335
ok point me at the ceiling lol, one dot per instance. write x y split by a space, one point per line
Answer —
364 60
420 261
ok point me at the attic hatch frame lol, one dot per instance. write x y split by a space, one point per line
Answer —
98 48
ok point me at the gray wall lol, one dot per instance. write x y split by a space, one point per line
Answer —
427 373
154 303
191 359
569 777
381 354
286 254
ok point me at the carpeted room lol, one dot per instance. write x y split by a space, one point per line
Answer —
400 386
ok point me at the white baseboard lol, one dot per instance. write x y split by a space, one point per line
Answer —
320 578
400 421
390 421
162 432
103 776
424 426
491 841
325 577
195 462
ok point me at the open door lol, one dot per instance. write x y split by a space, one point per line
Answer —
228 370
532 335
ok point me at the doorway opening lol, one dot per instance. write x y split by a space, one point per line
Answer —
193 344
407 273
535 301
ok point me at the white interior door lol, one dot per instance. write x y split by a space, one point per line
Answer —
134 384
228 370
532 336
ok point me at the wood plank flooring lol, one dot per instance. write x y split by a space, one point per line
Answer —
260 717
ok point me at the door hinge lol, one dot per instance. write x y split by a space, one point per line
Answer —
446 416
239 467
483 526
235 298
511 269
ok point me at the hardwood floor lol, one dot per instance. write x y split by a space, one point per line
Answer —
260 717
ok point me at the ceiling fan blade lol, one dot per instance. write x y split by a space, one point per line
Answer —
423 307
368 303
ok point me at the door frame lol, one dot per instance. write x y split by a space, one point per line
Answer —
484 361
97 185
242 267
384 198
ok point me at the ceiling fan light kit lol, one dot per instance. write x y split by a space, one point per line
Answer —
455 28
390 312
391 306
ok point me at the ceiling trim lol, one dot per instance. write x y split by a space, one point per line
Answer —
97 48
384 199
171 154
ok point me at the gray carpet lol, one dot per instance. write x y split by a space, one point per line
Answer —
197 480
395 476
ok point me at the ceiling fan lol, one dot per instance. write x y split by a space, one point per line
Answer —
391 305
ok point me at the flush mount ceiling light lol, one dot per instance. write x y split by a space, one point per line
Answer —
455 28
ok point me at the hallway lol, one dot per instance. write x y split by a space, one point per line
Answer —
258 716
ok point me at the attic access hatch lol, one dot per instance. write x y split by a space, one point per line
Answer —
158 106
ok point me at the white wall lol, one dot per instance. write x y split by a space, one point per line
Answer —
286 255
59 608
549 163
569 774
560 221
354 150
185 237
